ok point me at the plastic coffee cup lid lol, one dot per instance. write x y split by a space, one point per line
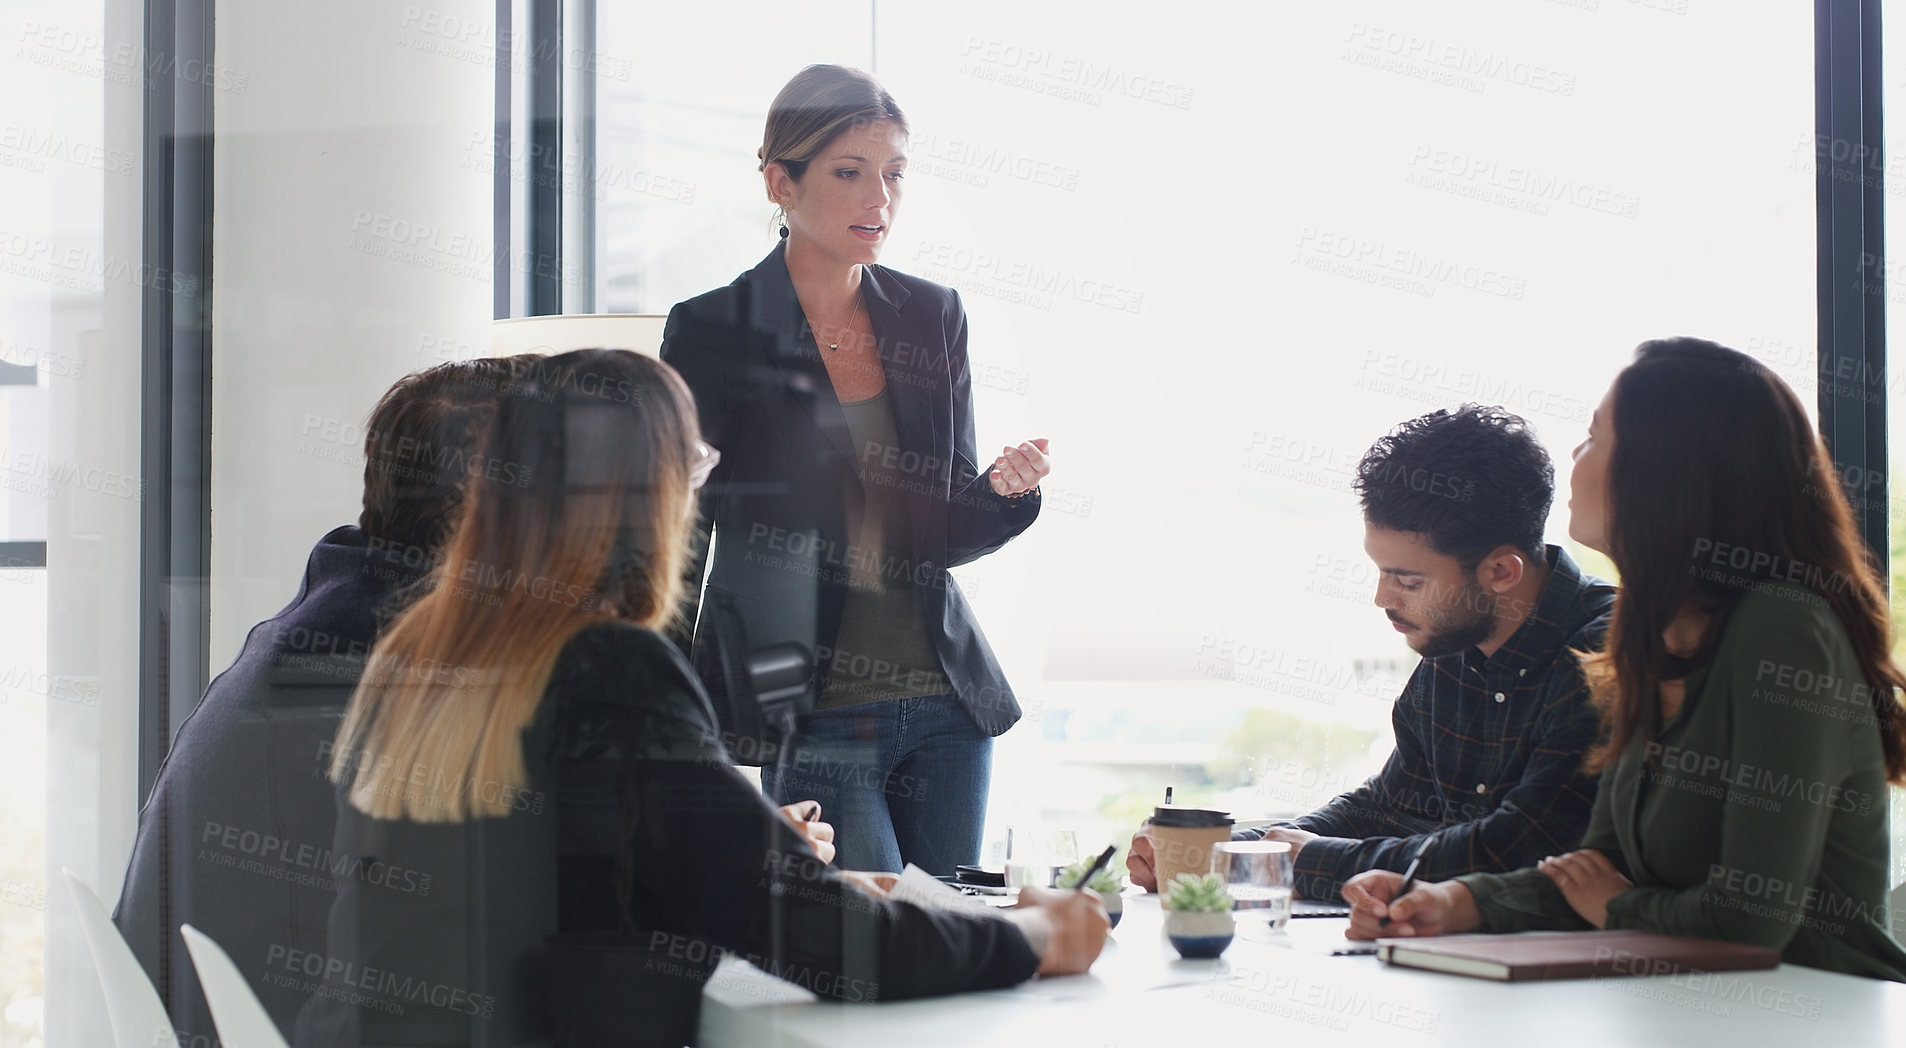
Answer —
1181 815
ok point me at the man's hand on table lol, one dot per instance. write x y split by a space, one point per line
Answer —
1289 835
1138 859
1140 863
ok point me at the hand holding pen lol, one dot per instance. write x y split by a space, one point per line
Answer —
1409 879
805 817
1361 892
1067 928
1098 864
1440 908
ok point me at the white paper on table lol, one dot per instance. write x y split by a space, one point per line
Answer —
928 892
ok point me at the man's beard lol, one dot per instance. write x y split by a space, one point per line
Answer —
1465 623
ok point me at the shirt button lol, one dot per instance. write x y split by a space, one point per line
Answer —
1523 672
1500 697
1482 787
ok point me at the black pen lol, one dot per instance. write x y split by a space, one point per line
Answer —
1097 865
1409 877
812 814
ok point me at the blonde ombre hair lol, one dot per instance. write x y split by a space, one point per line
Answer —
583 514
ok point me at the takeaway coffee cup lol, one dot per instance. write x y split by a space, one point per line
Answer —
1182 837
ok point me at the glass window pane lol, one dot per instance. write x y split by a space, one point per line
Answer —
678 124
1213 264
68 504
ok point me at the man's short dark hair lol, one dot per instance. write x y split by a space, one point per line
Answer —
1471 480
423 440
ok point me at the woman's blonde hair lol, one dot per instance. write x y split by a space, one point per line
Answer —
820 104
582 514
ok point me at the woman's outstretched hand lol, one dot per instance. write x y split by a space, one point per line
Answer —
1020 469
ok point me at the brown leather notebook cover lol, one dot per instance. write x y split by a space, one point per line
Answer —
1529 956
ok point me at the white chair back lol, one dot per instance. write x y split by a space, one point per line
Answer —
242 1022
560 333
133 1006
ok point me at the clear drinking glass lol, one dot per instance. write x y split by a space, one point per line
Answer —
1258 874
1035 855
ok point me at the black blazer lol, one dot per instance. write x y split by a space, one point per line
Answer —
236 837
785 502
595 910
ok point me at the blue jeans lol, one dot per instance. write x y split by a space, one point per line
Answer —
901 781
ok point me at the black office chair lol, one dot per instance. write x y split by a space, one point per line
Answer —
759 694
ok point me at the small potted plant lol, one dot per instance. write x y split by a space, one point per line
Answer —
1106 883
1198 915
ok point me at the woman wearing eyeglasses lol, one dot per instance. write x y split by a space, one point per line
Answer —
1750 704
542 835
839 393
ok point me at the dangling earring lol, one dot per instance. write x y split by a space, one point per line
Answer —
784 232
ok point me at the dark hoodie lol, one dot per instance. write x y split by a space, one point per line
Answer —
236 838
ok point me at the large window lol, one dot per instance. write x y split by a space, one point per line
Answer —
57 476
1212 264
1211 251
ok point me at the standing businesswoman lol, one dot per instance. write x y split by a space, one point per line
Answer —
1750 707
839 394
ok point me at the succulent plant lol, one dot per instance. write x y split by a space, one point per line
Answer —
1198 893
1106 880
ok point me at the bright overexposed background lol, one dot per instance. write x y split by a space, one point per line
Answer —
1213 252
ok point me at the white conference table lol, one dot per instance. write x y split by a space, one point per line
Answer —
1139 994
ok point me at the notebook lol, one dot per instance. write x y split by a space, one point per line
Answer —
1530 956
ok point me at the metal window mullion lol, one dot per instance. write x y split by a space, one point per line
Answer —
1849 194
176 364
580 271
542 247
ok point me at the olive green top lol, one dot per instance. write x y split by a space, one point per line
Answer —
882 650
1758 816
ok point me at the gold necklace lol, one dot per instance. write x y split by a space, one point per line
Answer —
835 345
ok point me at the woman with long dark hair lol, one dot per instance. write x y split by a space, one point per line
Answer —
1751 708
546 825
839 392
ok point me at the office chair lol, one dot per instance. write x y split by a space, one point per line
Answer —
241 1020
138 1018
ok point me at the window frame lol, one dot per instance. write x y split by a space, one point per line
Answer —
1850 234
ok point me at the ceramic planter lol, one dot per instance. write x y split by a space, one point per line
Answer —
1199 936
1114 905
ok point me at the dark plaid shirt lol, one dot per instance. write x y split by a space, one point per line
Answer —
1488 755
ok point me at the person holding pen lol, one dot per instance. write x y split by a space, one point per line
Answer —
551 826
1491 728
1750 707
840 394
